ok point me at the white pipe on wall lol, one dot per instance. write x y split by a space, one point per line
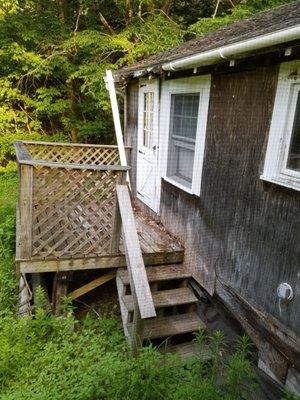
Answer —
236 49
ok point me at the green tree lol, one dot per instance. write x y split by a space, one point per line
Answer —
53 56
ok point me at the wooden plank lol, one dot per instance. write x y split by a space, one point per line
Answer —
25 296
60 290
293 381
260 326
25 211
75 264
116 116
160 273
18 253
272 362
145 246
189 349
116 231
92 285
124 313
66 144
115 261
21 152
117 223
166 298
155 234
172 325
91 167
137 329
170 257
134 259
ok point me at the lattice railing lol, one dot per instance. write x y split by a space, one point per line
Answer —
78 154
67 200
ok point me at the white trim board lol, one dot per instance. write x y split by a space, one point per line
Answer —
275 169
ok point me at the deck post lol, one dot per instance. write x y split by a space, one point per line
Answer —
116 233
25 296
25 211
117 221
137 332
60 290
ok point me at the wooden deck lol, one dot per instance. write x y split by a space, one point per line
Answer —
158 247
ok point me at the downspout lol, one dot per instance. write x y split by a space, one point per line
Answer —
234 50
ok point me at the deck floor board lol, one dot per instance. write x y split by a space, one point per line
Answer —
158 247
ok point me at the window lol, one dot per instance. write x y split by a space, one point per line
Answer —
282 163
148 119
184 108
182 137
293 161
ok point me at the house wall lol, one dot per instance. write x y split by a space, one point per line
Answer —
241 231
244 231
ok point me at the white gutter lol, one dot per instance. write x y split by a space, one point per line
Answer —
234 50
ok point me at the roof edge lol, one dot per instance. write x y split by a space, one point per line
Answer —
234 50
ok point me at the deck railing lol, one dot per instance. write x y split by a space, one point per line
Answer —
73 204
67 198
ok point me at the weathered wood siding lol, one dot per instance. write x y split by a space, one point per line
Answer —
241 231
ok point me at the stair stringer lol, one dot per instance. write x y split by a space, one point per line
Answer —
121 288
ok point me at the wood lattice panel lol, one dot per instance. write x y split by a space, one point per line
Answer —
73 211
74 154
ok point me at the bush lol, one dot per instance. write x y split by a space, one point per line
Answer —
44 358
8 286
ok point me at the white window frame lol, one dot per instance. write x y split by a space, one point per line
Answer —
191 85
280 135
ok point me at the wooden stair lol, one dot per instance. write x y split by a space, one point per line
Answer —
189 349
175 305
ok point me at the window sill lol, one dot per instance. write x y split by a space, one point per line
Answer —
278 180
179 186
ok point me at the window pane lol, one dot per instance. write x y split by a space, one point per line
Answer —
294 152
148 119
184 114
185 164
182 137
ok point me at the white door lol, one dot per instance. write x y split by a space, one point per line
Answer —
147 149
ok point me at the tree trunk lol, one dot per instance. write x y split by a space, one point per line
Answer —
129 11
166 8
62 10
73 107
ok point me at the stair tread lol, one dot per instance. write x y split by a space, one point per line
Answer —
172 325
159 273
165 298
189 349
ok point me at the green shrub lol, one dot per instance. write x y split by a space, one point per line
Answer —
45 358
241 11
290 396
8 182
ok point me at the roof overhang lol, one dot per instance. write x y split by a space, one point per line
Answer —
235 50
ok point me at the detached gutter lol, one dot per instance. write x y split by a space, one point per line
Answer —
234 50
